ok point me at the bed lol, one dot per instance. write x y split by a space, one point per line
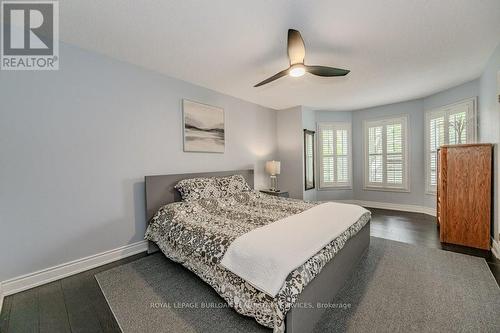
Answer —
307 290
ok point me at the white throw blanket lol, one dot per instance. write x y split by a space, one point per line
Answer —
265 256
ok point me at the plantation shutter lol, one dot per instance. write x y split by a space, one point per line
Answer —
327 154
457 126
386 165
451 124
376 154
342 156
394 158
335 154
435 141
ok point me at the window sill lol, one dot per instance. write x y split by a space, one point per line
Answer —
386 189
340 187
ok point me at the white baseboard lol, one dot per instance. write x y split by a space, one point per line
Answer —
392 206
27 281
495 248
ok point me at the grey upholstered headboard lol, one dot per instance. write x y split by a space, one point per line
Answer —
160 189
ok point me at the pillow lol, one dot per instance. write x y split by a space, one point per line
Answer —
198 188
211 187
232 184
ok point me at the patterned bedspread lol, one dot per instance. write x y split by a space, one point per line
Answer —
198 233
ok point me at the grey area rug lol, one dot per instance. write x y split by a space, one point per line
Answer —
396 287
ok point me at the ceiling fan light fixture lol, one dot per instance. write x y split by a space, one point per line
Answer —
297 71
296 53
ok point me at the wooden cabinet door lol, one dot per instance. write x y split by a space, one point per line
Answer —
467 196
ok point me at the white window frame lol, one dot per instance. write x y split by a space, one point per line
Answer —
334 126
384 186
445 111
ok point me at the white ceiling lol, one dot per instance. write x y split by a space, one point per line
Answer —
396 50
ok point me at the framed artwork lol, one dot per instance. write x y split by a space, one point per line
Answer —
203 127
309 175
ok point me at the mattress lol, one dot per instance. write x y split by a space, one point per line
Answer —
198 233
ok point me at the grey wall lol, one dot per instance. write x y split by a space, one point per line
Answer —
290 141
75 145
452 95
489 120
416 111
449 96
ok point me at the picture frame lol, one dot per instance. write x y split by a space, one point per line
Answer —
203 127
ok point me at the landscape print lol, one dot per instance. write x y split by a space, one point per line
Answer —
203 127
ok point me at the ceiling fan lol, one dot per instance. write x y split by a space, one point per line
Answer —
296 54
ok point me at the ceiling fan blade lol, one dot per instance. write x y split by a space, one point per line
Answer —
327 71
296 48
272 78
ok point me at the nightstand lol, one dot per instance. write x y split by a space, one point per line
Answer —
280 193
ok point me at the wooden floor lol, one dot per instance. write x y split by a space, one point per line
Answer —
73 304
76 304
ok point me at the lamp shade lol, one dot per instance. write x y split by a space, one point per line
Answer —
273 167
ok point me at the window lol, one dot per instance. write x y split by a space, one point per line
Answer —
335 157
386 154
451 124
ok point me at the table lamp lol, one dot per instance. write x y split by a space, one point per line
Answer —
273 169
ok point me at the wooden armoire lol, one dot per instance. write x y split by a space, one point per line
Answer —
464 194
